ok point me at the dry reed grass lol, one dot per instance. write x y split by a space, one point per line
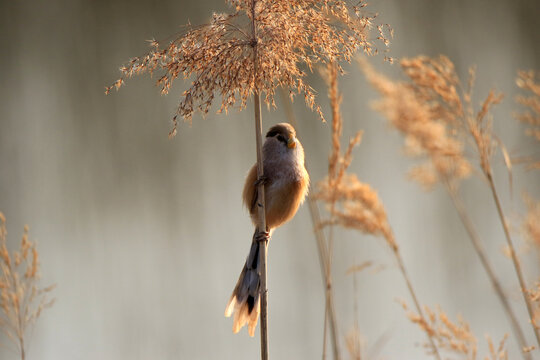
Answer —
21 298
534 296
531 231
354 343
529 81
222 59
531 222
436 115
427 112
351 203
456 337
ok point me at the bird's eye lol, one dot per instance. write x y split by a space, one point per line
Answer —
282 138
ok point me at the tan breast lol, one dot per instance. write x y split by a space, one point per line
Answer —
282 198
282 202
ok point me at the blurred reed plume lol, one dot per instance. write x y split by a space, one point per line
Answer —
456 337
354 341
534 296
530 82
21 298
427 112
350 202
436 115
257 48
531 222
531 232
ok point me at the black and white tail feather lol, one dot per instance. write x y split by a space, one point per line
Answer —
245 299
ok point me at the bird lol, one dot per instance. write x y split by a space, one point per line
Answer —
286 184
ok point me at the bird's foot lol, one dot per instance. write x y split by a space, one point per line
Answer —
262 236
263 180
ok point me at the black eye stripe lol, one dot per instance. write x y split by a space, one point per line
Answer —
271 133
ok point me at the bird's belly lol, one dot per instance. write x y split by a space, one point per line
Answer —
282 202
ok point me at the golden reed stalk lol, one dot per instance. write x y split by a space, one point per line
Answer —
477 244
260 201
515 260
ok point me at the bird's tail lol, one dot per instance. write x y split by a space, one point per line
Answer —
245 299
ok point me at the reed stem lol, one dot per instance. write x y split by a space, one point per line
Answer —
262 225
328 288
515 260
415 299
475 240
263 291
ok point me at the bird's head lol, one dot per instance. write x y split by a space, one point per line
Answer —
284 133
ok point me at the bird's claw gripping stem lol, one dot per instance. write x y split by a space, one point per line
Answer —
262 236
263 180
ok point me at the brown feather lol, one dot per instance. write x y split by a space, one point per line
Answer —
283 202
250 190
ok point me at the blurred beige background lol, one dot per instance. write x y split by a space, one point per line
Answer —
146 236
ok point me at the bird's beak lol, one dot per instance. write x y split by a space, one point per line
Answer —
291 143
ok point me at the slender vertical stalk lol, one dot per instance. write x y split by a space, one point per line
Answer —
23 355
515 260
325 329
475 240
330 310
356 317
332 317
262 227
263 291
415 299
322 249
329 289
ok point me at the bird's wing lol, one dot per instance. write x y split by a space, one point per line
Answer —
250 193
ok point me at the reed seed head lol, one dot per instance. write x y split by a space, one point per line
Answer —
257 50
437 118
21 300
529 82
455 337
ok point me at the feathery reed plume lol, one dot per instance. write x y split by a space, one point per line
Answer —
531 230
530 82
534 296
531 222
455 337
252 51
21 298
350 202
436 122
427 123
222 59
354 344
